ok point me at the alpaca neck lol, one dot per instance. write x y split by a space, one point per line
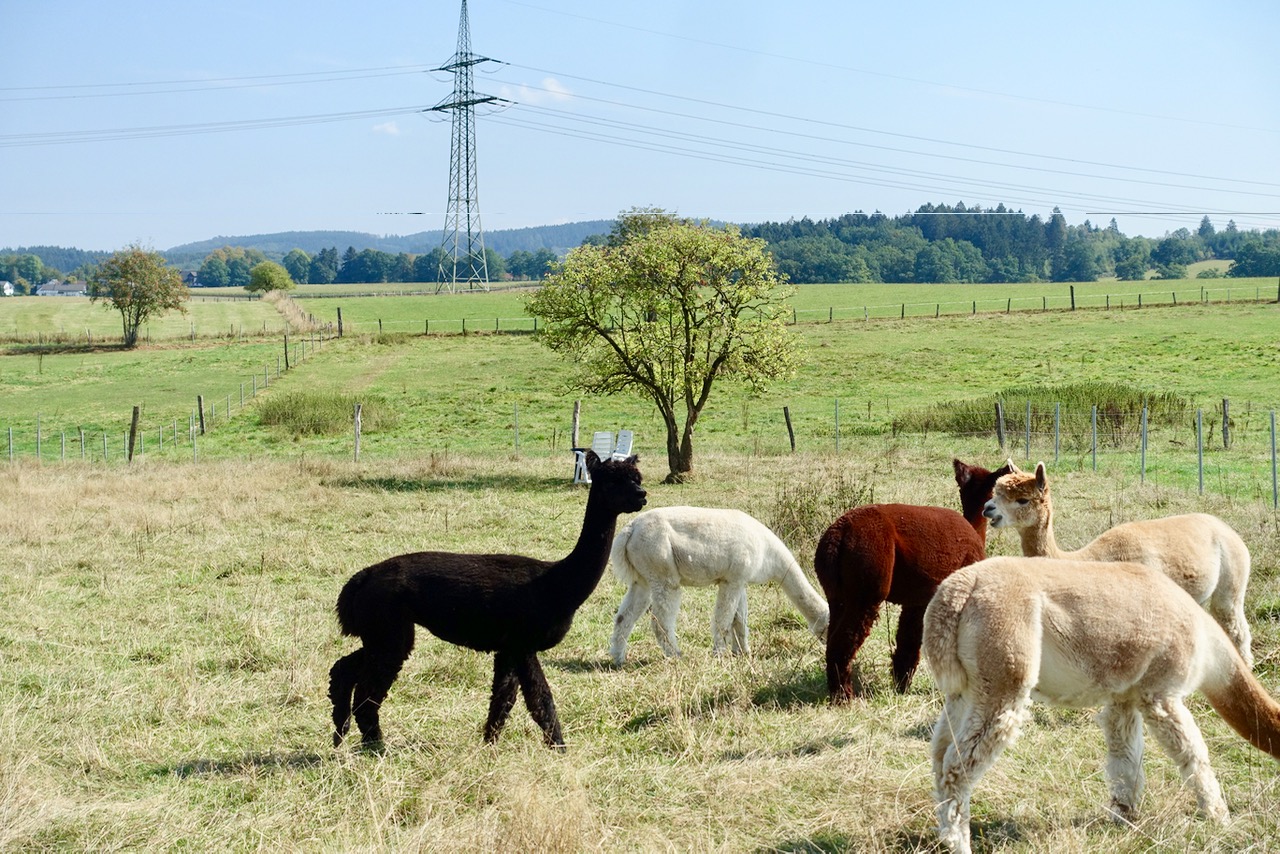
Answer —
1038 540
801 592
978 521
579 572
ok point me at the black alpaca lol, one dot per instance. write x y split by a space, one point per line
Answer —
511 605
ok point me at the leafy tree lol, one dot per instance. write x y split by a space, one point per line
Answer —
1132 263
213 273
269 276
664 309
140 285
1256 258
298 263
426 268
324 267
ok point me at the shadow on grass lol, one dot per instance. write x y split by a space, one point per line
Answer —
819 843
807 688
252 763
517 483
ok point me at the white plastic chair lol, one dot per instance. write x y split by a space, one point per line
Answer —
623 448
602 444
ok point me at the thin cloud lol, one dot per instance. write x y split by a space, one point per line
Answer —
388 128
549 91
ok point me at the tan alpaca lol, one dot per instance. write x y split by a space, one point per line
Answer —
1080 633
1201 553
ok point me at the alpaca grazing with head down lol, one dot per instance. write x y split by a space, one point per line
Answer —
511 605
660 551
1080 634
895 553
1201 553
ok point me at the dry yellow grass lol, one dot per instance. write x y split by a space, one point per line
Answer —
167 632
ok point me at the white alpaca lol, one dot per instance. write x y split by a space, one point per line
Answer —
1201 553
1080 633
660 551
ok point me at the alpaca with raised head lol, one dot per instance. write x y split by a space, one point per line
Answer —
511 605
1080 634
663 550
895 553
1201 553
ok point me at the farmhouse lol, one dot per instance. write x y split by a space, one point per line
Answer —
57 288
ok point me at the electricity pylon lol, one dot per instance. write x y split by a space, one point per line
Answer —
463 259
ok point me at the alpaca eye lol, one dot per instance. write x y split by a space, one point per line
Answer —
1023 500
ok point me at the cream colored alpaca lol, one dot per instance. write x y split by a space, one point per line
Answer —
1073 633
1201 553
658 552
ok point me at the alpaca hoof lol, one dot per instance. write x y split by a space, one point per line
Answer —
1123 814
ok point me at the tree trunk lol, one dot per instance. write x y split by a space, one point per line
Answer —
679 452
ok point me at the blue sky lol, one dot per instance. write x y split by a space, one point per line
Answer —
161 124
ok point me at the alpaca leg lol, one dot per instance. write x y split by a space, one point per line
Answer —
991 724
1122 729
383 657
1178 735
740 644
906 647
1230 615
955 711
342 681
850 624
634 603
503 697
538 700
729 598
662 614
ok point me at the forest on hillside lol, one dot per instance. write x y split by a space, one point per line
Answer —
934 244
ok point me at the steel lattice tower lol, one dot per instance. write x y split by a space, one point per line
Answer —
463 258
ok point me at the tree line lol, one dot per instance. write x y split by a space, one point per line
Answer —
231 266
942 243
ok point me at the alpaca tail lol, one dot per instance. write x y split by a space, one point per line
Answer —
622 567
942 631
1238 697
349 615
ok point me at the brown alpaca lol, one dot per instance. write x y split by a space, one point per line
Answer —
511 605
895 553
1080 634
1201 553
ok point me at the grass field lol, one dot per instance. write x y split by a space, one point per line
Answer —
169 626
169 629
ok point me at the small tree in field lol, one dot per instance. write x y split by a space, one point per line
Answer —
139 284
269 276
665 308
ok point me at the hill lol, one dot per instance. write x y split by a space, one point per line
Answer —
557 238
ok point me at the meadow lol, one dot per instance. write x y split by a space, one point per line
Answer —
169 626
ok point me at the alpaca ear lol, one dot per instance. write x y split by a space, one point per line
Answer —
963 472
1012 467
1042 482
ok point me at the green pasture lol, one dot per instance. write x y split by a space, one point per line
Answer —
79 321
486 393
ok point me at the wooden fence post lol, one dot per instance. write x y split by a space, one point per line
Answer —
1073 297
339 321
133 431
357 431
786 413
1226 423
1000 424
200 409
577 417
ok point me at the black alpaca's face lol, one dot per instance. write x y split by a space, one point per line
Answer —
623 479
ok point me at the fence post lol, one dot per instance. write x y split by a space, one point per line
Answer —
339 321
1275 493
1073 297
1028 429
577 415
786 413
1142 478
357 432
133 432
1057 431
286 349
1094 434
10 444
82 443
1000 424
1226 423
200 409
1200 448
37 437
